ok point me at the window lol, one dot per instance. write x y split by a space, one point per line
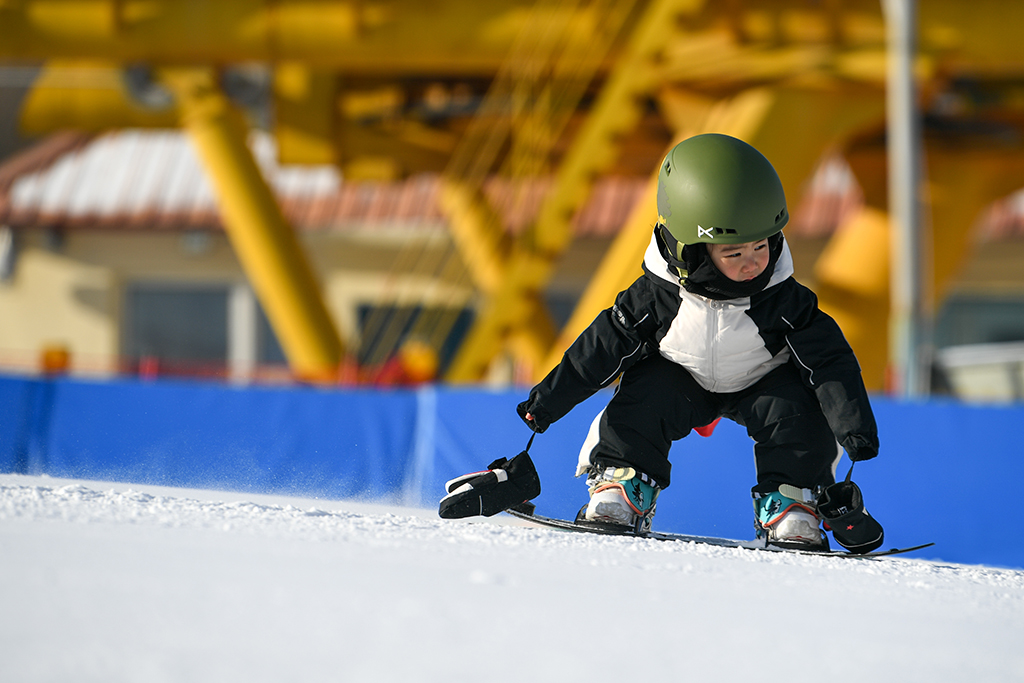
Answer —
196 329
186 323
979 320
384 328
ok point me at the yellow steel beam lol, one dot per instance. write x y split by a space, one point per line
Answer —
89 96
853 272
315 121
484 247
318 121
477 231
852 284
793 125
454 36
266 246
508 310
305 114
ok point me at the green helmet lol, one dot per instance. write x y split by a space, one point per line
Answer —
715 188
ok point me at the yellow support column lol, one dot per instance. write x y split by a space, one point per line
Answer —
266 245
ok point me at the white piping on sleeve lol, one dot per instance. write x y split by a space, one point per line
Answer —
810 375
623 360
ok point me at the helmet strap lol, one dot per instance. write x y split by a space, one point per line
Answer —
669 247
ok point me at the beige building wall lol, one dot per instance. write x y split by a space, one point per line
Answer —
56 299
69 291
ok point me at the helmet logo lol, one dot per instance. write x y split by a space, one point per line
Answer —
705 232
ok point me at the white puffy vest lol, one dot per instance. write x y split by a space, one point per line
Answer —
715 340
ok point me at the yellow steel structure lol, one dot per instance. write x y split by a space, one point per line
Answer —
381 36
749 116
533 97
621 264
593 151
794 78
305 102
59 101
265 243
853 272
793 122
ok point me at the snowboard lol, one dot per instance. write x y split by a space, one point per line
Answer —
525 512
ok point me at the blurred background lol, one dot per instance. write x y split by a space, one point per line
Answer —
380 193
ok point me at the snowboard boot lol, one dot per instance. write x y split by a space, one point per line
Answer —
621 496
788 518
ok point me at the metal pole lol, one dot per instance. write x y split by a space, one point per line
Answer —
906 323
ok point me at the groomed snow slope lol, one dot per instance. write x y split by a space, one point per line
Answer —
108 582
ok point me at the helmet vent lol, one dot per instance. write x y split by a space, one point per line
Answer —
725 231
781 215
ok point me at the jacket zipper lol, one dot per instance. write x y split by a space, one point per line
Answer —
713 313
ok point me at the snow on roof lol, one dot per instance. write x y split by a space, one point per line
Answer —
136 178
153 179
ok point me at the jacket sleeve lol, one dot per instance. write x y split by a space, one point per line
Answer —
830 368
612 343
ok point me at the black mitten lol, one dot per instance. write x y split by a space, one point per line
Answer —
842 507
505 483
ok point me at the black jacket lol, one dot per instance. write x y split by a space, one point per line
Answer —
726 345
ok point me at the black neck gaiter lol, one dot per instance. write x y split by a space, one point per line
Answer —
704 279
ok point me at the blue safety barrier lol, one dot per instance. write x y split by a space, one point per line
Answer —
947 473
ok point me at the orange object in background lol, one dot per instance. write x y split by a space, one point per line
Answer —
419 361
415 362
55 359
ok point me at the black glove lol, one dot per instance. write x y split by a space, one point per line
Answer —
842 507
539 420
505 483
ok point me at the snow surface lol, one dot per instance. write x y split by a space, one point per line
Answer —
111 582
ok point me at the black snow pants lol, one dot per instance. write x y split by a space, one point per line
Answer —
658 402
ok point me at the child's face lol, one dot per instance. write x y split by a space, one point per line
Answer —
740 262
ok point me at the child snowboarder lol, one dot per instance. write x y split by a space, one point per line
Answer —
715 327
